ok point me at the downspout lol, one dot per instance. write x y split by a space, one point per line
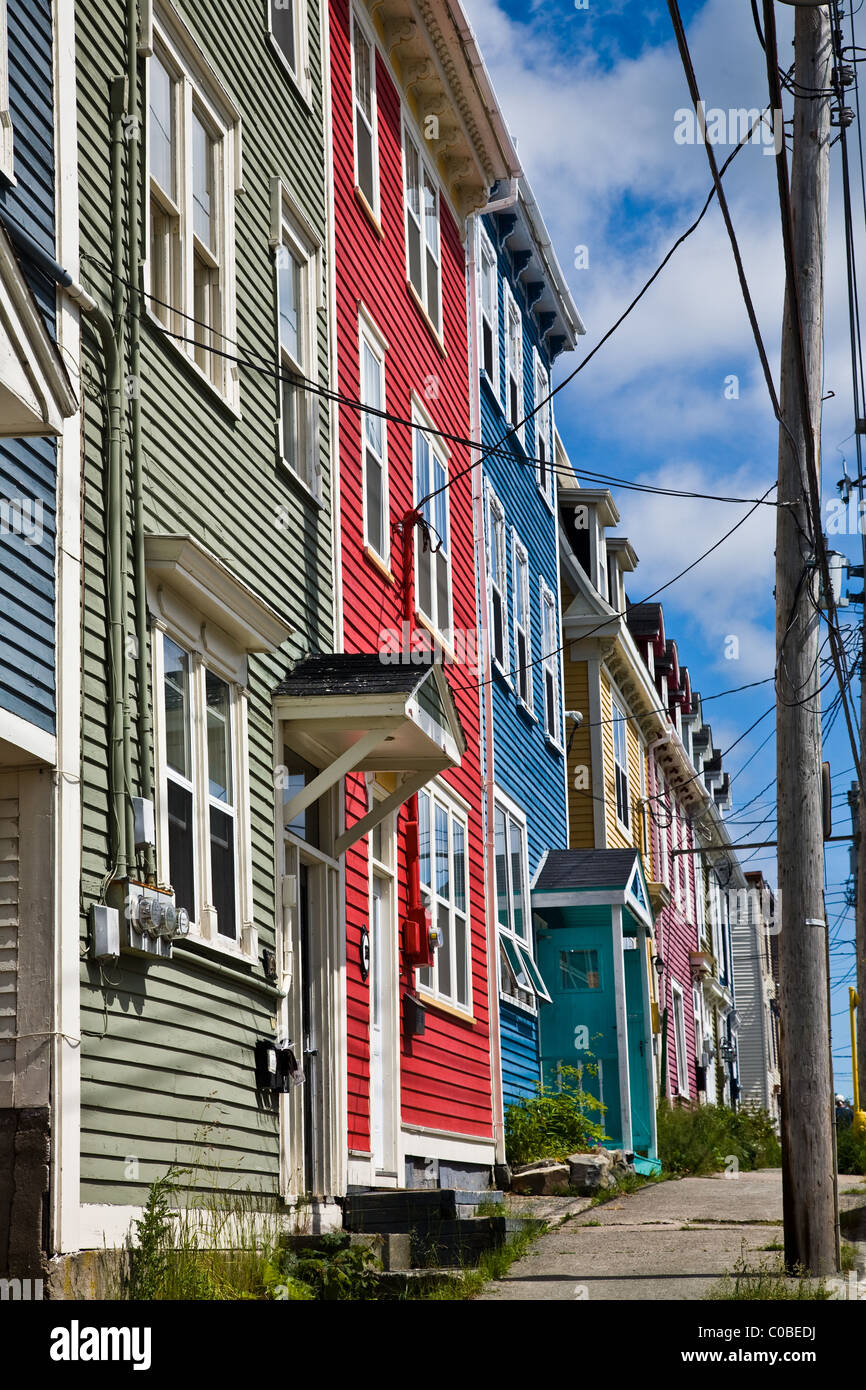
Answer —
144 726
487 703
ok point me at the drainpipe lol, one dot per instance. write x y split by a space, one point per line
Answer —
144 725
487 704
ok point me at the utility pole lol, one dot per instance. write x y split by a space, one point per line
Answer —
808 1168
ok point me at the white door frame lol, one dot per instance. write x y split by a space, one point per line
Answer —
385 955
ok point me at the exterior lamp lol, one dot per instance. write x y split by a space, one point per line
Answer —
659 964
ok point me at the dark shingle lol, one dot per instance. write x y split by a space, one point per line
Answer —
345 673
585 868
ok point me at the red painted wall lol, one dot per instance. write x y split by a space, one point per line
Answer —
445 1076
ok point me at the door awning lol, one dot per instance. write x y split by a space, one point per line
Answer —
592 878
357 713
35 392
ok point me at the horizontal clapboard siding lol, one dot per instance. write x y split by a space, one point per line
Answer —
167 1060
28 467
520 1065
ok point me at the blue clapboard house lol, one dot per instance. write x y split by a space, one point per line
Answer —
525 318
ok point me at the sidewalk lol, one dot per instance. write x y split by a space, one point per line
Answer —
671 1240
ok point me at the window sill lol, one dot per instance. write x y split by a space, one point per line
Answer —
446 649
231 403
524 709
379 564
440 1005
551 506
500 671
530 1010
223 947
553 745
300 86
369 212
304 490
428 322
494 394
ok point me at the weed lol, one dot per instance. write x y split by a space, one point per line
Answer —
774 1245
849 1256
702 1139
767 1282
850 1150
553 1124
494 1264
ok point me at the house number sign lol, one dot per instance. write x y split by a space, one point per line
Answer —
365 953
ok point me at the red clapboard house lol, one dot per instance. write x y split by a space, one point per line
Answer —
417 145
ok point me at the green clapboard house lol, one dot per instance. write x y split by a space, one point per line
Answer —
207 570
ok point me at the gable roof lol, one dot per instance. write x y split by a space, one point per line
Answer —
565 870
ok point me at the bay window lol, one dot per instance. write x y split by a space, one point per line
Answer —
442 836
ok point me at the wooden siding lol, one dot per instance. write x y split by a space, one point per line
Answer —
167 1055
445 1075
521 1069
580 803
28 467
676 935
617 837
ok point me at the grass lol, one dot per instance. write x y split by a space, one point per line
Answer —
849 1257
704 1139
766 1283
494 1264
774 1245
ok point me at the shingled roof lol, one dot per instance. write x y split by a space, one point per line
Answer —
347 673
569 869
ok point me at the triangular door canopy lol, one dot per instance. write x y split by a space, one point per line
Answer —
638 891
35 394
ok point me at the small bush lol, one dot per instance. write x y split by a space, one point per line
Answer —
553 1124
702 1139
851 1150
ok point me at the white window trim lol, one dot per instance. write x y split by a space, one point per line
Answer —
197 78
7 155
438 447
551 661
662 814
680 1042
646 849
368 333
408 132
511 306
485 245
301 78
496 511
543 416
520 553
513 812
229 664
619 716
357 15
290 228
438 792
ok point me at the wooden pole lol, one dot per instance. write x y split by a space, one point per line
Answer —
808 1176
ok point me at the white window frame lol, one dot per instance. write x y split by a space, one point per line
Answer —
369 336
357 18
425 168
497 548
207 651
198 91
292 235
437 795
512 316
543 431
645 810
487 252
550 665
523 671
619 730
7 141
516 946
663 813
437 509
300 73
679 1021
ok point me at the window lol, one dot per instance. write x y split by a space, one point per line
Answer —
680 1037
675 844
200 720
697 1010
422 230
550 664
522 629
620 764
578 970
489 297
364 91
432 545
645 809
519 977
374 444
497 567
7 163
442 835
661 817
514 409
296 257
542 431
287 24
193 171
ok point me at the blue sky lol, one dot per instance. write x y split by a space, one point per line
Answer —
591 96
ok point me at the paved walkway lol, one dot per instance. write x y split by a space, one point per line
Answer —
671 1240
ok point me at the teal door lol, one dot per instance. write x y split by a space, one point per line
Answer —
578 1027
638 1042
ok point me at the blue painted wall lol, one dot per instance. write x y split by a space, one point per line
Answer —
28 467
527 767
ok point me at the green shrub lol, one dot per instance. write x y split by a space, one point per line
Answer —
553 1124
704 1138
851 1150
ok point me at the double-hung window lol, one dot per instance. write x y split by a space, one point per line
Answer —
550 664
374 441
498 571
680 1036
620 764
514 410
364 103
200 740
442 836
193 171
489 302
432 542
287 24
296 258
519 978
423 255
542 431
522 627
